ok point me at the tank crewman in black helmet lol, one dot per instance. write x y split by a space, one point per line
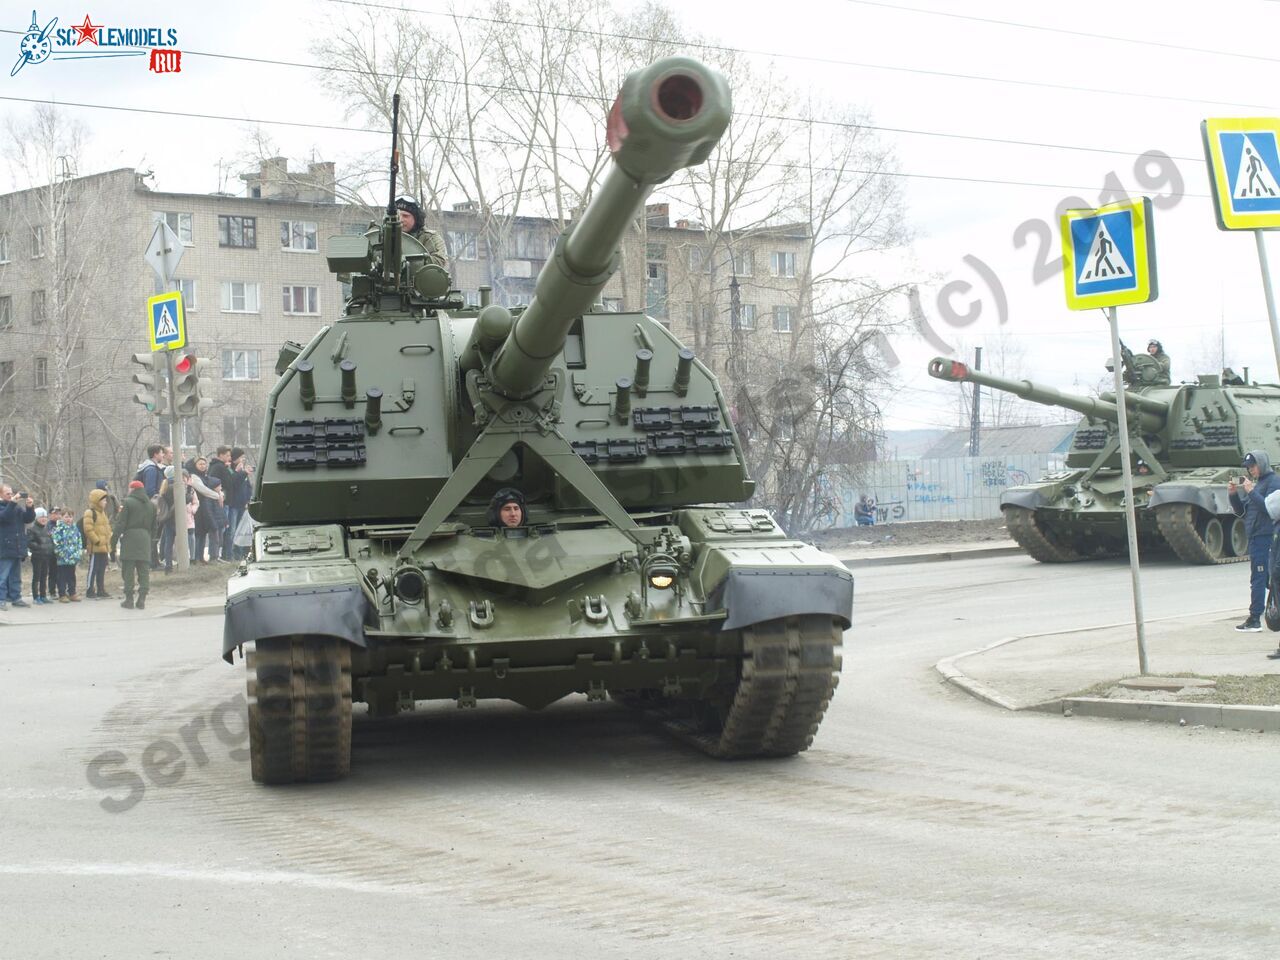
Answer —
411 222
1156 349
506 508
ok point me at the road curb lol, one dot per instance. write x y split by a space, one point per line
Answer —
204 610
1232 716
1235 716
900 558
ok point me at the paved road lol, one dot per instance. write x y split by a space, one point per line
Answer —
921 824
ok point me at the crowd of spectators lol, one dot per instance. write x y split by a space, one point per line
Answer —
140 532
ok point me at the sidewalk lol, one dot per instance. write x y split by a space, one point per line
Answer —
872 555
99 611
1042 671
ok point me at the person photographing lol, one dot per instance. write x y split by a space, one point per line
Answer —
1248 500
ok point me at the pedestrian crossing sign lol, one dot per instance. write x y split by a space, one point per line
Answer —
1109 255
166 323
1244 171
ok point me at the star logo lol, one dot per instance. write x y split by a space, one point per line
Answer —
88 31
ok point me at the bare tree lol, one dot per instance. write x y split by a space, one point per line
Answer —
65 223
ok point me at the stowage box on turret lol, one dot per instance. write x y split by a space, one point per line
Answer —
379 574
1187 440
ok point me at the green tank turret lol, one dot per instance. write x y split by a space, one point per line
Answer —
1187 440
400 441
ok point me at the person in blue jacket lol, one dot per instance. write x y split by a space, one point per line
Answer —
1248 500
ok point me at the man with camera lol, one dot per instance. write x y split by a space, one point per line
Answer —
1248 496
16 511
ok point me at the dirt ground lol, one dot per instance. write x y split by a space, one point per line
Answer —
199 581
920 532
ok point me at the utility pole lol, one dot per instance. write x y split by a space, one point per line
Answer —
975 419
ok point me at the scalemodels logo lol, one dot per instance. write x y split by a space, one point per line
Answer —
90 40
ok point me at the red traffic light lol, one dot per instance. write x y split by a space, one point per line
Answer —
184 363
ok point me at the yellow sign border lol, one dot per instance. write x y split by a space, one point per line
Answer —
176 297
1143 257
1220 180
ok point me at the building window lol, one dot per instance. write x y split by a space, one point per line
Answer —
37 241
782 319
42 373
747 316
242 431
9 443
529 243
179 223
190 433
239 296
612 304
655 251
700 313
4 248
784 264
699 262
461 244
241 364
301 300
38 314
298 235
656 290
188 290
6 312
744 262
237 231
6 376
42 439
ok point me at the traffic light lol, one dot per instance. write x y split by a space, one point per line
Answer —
186 385
152 380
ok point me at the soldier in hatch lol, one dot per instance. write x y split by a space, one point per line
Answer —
1156 349
411 222
506 508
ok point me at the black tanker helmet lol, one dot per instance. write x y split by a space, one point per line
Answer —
415 211
501 499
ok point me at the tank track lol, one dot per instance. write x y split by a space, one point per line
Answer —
1022 526
790 669
299 710
1177 522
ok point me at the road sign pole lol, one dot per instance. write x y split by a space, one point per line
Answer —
177 485
1127 468
1269 294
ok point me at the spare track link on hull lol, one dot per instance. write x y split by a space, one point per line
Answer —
1022 526
299 709
790 669
1177 522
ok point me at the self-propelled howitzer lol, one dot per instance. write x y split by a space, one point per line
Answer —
1187 440
380 575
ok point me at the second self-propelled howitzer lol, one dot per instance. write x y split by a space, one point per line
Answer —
1187 441
465 501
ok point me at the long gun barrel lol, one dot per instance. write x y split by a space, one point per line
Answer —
1151 412
668 115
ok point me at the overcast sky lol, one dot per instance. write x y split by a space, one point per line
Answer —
1118 78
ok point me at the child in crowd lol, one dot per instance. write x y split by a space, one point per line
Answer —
40 542
68 547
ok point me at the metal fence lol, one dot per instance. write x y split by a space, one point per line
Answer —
956 488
